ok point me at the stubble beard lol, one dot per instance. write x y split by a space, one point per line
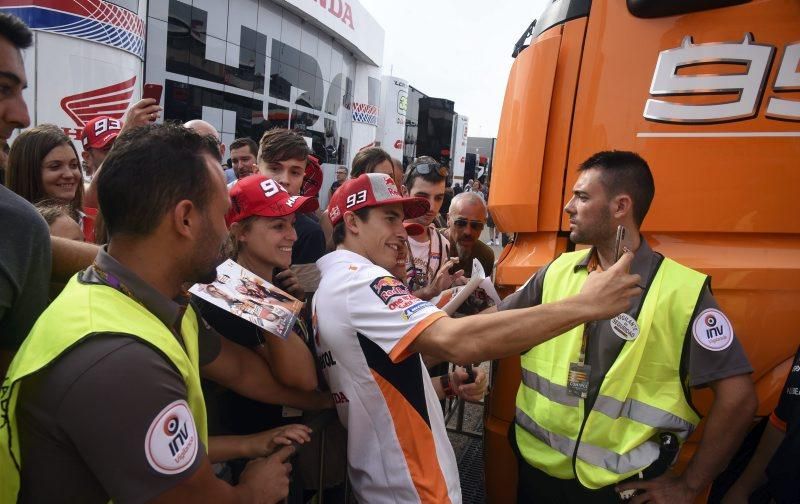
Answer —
596 234
204 264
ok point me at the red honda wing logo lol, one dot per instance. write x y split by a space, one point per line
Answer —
111 101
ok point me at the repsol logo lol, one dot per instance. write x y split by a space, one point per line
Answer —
326 360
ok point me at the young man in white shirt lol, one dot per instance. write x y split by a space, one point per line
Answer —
428 263
370 330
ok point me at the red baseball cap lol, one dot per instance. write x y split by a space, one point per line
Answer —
262 196
100 132
312 179
371 190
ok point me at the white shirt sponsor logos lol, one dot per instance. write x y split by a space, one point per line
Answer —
712 330
171 442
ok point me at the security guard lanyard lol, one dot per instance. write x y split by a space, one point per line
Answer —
115 283
578 378
579 372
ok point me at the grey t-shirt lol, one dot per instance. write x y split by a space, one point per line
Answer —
84 420
701 365
24 268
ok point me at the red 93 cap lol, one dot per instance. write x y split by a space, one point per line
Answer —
262 196
100 132
370 190
312 179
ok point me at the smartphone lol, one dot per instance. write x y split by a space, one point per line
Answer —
455 267
622 241
153 91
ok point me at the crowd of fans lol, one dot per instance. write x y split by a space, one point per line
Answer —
279 239
140 210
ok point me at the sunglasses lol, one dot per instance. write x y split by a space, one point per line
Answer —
425 168
475 225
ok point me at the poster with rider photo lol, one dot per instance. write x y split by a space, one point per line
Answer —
252 298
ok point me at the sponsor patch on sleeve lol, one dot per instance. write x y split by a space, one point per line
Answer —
388 288
712 330
409 312
172 442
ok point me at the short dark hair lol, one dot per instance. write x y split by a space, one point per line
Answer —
280 144
432 176
150 169
16 31
340 231
367 159
625 172
245 142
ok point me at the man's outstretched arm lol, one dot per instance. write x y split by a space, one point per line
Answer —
496 335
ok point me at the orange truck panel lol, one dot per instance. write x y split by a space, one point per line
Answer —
724 148
525 115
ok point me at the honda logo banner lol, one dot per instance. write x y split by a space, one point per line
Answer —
86 59
76 81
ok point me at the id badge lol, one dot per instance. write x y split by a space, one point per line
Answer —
578 379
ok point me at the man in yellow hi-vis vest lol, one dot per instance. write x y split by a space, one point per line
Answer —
602 408
103 400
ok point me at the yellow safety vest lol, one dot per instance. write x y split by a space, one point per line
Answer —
641 395
80 311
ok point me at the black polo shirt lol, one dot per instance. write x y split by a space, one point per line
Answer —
84 419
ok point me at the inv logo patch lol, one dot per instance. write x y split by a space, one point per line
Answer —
712 330
171 443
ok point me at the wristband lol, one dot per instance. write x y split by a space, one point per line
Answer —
447 385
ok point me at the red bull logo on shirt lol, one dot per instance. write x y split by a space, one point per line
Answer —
387 288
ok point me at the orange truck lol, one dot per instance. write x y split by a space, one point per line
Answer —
708 92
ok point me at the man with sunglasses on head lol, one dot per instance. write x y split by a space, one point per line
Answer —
465 222
428 263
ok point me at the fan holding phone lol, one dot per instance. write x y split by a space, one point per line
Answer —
99 134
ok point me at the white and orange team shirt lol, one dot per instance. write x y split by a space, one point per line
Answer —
397 446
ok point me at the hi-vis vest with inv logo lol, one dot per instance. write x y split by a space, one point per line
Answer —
80 311
641 395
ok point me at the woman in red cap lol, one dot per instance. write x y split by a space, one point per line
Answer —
261 222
